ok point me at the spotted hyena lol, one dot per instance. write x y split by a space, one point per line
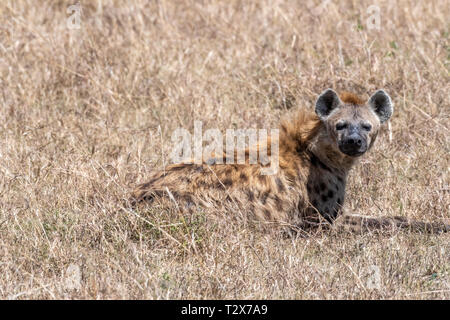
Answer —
316 153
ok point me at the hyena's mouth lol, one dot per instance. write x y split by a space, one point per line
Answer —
352 151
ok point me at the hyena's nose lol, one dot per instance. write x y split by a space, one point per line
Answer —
353 145
354 141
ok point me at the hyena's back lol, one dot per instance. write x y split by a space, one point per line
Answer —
264 197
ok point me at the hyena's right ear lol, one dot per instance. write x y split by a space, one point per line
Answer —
327 102
381 104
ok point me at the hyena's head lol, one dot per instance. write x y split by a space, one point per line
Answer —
351 123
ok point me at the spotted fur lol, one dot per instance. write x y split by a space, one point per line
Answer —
309 188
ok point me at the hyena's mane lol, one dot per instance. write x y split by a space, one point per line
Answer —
297 132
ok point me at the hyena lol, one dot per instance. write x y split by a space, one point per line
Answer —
316 152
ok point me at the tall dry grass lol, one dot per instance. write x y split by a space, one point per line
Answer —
86 114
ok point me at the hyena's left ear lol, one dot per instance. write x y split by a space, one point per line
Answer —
381 104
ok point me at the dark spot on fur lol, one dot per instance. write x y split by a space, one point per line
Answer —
243 177
314 160
340 179
187 198
280 185
202 183
330 194
322 186
324 198
317 189
314 203
250 195
278 203
217 184
227 182
264 197
323 166
339 201
317 163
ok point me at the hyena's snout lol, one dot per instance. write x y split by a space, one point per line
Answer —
353 143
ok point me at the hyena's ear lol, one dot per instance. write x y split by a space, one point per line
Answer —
327 102
381 104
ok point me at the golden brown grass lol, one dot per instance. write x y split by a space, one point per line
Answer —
87 114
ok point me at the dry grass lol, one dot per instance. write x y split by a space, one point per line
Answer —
79 128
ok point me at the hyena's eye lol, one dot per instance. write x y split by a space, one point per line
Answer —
366 126
341 126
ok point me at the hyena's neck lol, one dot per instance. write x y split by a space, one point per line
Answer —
322 148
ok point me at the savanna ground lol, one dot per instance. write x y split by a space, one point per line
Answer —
88 113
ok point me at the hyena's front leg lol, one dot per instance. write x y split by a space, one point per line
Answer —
360 224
